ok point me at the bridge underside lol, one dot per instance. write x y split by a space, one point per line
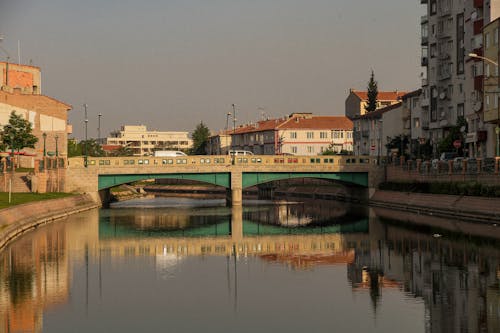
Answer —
248 178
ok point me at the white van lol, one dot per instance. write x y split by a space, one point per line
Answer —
168 153
240 152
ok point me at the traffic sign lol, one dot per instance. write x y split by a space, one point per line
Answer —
457 144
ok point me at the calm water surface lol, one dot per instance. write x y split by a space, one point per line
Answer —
192 265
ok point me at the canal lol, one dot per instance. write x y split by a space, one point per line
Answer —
194 265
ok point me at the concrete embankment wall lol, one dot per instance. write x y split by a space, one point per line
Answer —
21 218
478 209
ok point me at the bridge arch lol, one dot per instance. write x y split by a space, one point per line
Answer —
255 178
220 179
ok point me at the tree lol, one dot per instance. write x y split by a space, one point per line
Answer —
372 92
122 151
200 139
17 134
455 133
78 149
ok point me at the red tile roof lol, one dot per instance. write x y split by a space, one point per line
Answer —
297 121
378 113
382 95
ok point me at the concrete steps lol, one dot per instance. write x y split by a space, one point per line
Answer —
20 182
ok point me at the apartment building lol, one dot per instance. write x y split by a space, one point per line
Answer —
20 92
296 134
357 100
143 142
492 83
413 122
452 83
373 130
219 143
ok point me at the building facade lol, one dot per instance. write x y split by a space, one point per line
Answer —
20 93
374 130
143 142
297 134
357 100
452 82
492 83
219 143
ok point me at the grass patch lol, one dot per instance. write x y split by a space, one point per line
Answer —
21 198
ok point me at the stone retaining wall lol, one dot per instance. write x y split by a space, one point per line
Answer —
21 218
478 209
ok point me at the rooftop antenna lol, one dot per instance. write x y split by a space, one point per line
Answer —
19 52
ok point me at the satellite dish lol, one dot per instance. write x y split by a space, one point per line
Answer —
434 93
473 16
442 95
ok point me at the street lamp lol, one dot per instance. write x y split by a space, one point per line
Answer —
57 151
497 128
44 135
86 120
99 128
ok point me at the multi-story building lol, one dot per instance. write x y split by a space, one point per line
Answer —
452 82
374 130
20 92
491 82
357 100
143 142
297 134
413 122
219 143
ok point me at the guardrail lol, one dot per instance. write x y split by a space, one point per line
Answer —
220 160
458 166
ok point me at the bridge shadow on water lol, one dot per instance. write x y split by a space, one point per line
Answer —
212 219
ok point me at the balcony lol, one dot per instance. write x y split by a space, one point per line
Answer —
424 40
425 124
425 82
424 61
423 2
365 133
477 3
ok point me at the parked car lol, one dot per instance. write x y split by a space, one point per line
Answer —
168 153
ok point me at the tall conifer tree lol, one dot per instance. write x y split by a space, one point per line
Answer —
372 94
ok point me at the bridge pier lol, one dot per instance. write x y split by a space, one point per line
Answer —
234 195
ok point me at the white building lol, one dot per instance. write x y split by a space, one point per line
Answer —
374 130
143 142
297 134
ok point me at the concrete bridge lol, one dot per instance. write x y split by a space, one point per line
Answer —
234 174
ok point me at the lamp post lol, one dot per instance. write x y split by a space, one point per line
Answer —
85 145
497 128
44 135
227 124
99 128
57 150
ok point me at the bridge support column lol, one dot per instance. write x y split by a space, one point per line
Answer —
234 195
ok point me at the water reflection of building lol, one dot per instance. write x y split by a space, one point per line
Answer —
457 279
305 213
35 273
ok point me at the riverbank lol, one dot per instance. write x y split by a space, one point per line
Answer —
478 209
17 220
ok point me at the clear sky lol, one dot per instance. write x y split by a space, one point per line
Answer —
170 64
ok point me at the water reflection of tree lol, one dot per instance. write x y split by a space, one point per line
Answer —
20 284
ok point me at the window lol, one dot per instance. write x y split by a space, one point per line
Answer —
294 150
310 135
416 122
293 135
433 50
487 40
495 36
433 7
323 135
460 110
310 149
